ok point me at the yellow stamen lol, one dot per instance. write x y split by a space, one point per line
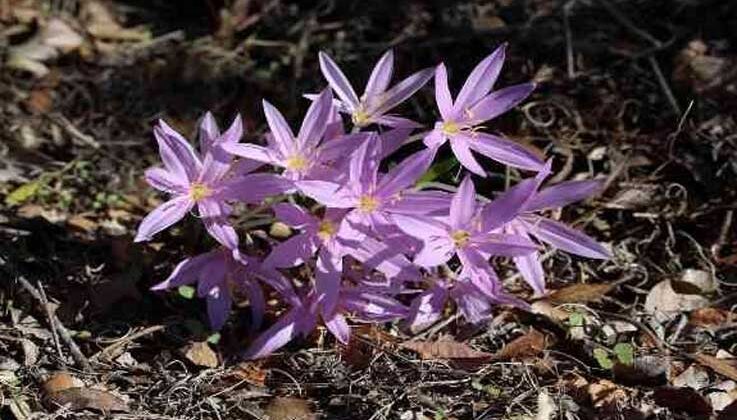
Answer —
199 191
450 128
460 238
296 163
368 203
360 118
326 230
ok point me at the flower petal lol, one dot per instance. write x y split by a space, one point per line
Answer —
503 244
402 91
293 215
427 308
481 80
209 132
218 306
252 152
326 193
396 122
462 152
421 203
442 93
504 151
381 75
254 188
292 252
382 257
165 181
364 164
328 272
463 204
234 133
257 303
177 154
187 271
215 217
570 240
337 80
315 121
420 227
393 139
499 102
406 173
508 205
279 334
282 134
162 217
338 326
559 195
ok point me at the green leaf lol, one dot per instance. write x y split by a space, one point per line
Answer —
437 170
186 292
576 319
625 353
23 193
213 338
602 357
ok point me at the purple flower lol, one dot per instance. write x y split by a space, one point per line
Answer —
206 182
305 155
377 98
475 291
560 236
370 197
320 236
462 234
302 318
462 119
218 274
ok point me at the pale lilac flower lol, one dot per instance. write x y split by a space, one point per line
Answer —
304 155
301 319
320 236
206 181
218 275
475 291
558 235
372 197
378 98
462 119
461 233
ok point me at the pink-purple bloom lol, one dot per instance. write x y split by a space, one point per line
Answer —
377 99
203 180
462 119
372 245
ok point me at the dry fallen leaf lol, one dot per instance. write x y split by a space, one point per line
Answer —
448 349
62 389
709 317
82 223
54 38
200 354
580 293
251 372
726 367
101 24
606 393
87 398
669 297
289 408
524 347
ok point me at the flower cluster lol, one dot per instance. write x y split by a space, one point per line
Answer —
372 244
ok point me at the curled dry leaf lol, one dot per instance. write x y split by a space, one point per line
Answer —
526 346
62 389
54 38
461 354
669 297
710 317
580 293
701 279
200 354
289 408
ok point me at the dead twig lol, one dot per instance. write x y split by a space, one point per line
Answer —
111 350
64 334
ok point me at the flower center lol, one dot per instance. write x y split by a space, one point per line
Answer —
296 163
460 238
326 230
450 128
360 118
368 203
198 191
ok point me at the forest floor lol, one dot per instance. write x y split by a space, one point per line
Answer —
640 93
